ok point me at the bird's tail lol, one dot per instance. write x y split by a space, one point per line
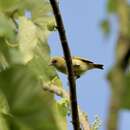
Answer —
98 66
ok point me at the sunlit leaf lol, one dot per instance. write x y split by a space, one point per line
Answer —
24 65
27 38
4 55
9 5
6 27
29 104
40 12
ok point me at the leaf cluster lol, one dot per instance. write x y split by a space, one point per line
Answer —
24 59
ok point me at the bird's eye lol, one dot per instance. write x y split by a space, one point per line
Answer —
54 61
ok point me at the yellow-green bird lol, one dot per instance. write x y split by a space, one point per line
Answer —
80 65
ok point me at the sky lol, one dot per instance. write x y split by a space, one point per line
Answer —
82 23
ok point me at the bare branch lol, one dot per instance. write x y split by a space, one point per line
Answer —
67 55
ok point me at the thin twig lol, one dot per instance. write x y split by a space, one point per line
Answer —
67 55
62 93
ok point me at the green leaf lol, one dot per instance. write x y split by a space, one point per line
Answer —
24 105
6 27
9 5
3 123
105 26
29 105
4 110
112 6
96 123
7 33
27 38
63 106
29 32
39 8
3 62
40 15
4 55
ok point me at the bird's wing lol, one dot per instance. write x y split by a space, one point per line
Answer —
82 59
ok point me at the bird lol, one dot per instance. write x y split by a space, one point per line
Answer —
80 65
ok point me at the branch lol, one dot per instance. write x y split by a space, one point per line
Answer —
67 55
62 93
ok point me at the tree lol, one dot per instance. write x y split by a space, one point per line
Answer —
118 75
24 58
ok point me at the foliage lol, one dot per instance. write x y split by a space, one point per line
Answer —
105 26
112 6
118 75
126 94
96 123
24 59
121 10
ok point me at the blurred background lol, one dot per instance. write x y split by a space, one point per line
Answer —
99 31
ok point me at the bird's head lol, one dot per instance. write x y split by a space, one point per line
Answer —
57 61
